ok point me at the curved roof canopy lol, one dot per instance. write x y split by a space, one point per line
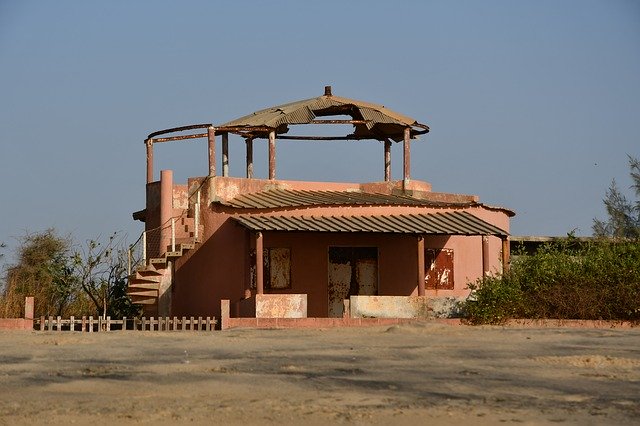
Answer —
370 121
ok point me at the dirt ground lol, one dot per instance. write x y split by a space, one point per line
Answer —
411 374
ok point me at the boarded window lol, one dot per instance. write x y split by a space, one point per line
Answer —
438 269
277 268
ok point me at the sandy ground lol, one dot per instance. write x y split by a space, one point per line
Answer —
411 374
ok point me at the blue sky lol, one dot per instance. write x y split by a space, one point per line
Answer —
533 105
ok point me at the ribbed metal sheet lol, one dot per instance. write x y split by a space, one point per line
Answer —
298 198
447 223
302 112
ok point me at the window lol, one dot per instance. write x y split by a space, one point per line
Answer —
276 268
438 265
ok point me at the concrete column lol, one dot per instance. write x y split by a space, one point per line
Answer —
506 254
211 136
485 255
29 308
166 209
387 160
421 266
272 155
249 143
225 154
149 145
259 264
406 145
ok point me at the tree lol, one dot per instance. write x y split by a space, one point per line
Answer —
92 279
624 216
43 270
102 272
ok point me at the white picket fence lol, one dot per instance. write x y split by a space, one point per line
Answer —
91 324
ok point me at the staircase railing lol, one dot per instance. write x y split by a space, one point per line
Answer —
138 251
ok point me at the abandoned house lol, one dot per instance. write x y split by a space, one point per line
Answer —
218 237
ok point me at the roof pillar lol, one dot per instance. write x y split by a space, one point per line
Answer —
149 143
406 145
506 254
211 136
259 263
249 142
166 210
421 266
225 154
272 155
387 160
485 255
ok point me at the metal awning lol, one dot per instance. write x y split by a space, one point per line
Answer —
277 198
370 121
446 223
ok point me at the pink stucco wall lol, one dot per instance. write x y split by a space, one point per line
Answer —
219 268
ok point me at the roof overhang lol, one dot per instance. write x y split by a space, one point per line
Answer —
370 121
445 223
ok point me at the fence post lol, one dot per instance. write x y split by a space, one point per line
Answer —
42 324
108 323
90 324
124 324
72 323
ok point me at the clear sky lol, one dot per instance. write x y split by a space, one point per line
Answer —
533 105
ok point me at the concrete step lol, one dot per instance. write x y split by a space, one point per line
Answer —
143 293
146 301
145 278
142 285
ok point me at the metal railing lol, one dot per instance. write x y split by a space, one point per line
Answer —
149 243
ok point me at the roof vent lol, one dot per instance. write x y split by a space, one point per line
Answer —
327 90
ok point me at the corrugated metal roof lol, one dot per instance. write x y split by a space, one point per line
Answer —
447 223
297 198
387 123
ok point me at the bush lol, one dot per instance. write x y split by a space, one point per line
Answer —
566 280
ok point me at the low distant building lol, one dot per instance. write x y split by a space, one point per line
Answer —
219 237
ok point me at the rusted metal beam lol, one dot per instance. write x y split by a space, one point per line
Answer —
211 136
421 266
225 154
259 263
326 138
339 121
180 138
244 129
149 143
249 143
406 175
179 129
387 160
272 155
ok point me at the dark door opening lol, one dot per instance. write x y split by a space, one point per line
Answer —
352 271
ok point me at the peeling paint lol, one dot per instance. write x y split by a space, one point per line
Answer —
352 271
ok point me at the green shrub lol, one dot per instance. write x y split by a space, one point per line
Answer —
565 280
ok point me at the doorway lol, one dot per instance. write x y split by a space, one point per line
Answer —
352 271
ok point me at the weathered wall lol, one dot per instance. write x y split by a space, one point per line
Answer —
281 306
219 268
389 307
